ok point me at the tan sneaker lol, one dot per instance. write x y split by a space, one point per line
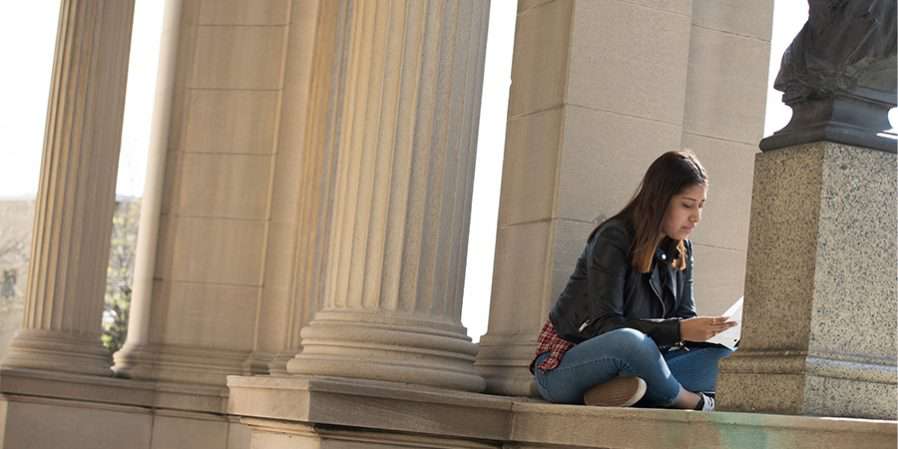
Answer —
617 392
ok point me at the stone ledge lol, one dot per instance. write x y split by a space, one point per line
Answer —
272 403
371 405
552 424
112 390
37 422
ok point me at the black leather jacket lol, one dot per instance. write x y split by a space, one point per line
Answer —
605 293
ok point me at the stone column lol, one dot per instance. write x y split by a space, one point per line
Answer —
577 146
198 321
395 269
73 213
140 318
303 182
819 332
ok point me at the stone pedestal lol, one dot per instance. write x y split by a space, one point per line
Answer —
395 268
76 196
819 332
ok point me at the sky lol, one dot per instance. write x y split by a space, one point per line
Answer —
29 40
27 33
27 36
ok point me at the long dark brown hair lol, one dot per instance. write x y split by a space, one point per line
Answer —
670 174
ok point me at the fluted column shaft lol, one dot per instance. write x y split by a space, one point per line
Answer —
395 269
76 196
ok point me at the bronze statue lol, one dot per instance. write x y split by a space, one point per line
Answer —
839 75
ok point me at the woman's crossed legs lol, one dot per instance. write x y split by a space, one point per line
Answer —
669 377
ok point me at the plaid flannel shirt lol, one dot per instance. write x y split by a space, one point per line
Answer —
549 341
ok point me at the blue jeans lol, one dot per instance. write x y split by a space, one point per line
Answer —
629 352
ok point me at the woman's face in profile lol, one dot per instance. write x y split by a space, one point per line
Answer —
684 212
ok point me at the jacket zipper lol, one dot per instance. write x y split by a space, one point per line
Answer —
658 295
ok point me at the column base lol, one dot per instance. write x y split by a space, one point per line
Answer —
58 351
352 344
800 384
504 362
179 364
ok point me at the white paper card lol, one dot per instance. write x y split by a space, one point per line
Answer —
732 335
